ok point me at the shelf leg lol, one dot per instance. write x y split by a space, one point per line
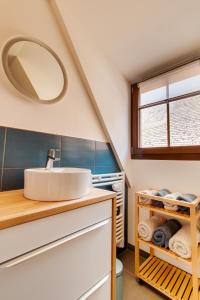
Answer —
194 258
137 249
151 249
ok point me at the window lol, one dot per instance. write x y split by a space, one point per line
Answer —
165 116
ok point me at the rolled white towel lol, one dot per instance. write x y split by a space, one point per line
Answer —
168 205
145 199
117 187
181 243
147 227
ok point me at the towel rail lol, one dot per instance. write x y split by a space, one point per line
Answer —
106 181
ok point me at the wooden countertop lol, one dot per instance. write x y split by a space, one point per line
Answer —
15 209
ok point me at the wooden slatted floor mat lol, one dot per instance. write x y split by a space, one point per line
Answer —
170 280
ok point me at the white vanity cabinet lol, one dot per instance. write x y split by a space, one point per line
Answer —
67 256
102 290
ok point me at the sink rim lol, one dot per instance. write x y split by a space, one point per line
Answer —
57 170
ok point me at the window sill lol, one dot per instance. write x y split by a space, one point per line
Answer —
170 153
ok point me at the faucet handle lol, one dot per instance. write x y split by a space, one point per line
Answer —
54 154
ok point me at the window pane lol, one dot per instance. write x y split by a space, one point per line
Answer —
153 126
185 122
186 86
153 96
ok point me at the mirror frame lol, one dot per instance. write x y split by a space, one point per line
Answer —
12 80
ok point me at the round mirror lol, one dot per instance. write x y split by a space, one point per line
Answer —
34 70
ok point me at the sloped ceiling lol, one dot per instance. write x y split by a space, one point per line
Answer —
143 36
116 42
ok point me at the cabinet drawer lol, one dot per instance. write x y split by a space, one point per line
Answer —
62 270
101 291
15 241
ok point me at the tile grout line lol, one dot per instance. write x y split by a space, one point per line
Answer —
95 148
18 168
3 159
60 151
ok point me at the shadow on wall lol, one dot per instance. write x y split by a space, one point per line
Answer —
22 149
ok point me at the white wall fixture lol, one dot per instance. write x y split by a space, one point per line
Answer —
34 69
115 182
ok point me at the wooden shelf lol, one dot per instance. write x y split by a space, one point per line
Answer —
170 280
164 211
172 201
166 278
166 251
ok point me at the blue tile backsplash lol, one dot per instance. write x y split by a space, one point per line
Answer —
77 152
2 138
21 149
12 179
26 149
104 154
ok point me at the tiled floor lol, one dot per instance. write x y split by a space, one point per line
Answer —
131 289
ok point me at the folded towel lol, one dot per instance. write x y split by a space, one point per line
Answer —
117 187
170 206
147 227
160 193
145 199
184 210
164 232
181 243
157 203
187 198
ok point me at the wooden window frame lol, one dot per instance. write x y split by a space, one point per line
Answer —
158 153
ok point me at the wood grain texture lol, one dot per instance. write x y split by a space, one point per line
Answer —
170 280
167 252
113 258
163 211
134 118
193 230
173 282
137 249
158 153
15 209
194 203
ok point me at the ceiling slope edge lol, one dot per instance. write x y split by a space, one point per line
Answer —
69 43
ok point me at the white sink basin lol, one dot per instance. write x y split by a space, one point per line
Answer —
57 184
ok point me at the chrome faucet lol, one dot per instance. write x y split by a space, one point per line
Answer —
51 157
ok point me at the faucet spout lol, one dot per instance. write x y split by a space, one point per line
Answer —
51 157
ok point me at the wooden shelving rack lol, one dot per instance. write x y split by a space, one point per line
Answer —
172 281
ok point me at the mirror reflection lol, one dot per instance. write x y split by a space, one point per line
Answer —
35 70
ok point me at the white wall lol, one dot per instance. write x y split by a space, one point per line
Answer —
111 90
181 176
74 115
